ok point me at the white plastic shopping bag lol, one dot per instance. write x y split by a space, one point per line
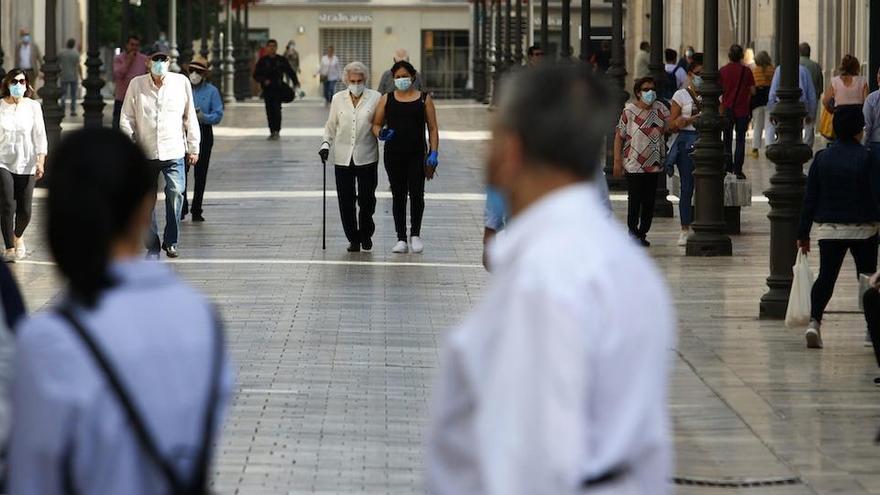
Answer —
798 313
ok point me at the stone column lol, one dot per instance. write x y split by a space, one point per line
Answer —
617 74
229 68
586 31
545 27
93 102
663 207
789 153
476 34
518 35
50 92
172 35
709 238
565 49
186 54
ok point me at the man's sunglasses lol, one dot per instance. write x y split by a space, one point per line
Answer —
160 58
19 81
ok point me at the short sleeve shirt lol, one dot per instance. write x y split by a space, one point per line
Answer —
686 102
644 141
735 75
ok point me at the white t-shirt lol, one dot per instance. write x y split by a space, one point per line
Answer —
686 102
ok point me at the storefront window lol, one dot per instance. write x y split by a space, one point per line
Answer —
445 63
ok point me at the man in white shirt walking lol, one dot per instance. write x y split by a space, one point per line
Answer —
158 113
553 384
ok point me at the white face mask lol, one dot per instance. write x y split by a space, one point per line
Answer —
356 89
196 78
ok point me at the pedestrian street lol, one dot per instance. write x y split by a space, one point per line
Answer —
335 353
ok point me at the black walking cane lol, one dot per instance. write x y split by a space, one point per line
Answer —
324 215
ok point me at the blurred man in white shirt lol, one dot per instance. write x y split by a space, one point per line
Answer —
158 113
554 384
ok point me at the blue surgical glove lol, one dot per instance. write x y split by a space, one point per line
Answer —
433 159
386 134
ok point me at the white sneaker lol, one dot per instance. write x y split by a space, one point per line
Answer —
400 247
416 243
683 237
21 251
813 335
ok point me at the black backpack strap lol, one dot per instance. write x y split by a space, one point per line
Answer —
140 427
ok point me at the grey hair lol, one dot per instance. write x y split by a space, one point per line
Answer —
560 113
357 68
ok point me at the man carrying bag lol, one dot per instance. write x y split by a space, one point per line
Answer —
270 72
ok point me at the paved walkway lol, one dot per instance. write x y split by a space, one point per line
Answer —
336 352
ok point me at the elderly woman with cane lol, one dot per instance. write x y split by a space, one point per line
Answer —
349 133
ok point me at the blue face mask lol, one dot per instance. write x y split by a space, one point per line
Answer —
649 97
16 90
159 69
402 83
26 39
698 81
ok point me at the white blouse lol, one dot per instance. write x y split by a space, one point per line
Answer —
22 136
349 129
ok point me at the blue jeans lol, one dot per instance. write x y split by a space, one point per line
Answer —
175 184
68 89
329 89
685 144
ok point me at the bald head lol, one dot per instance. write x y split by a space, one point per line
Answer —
400 55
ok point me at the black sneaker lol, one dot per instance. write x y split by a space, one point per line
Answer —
877 381
354 247
741 176
367 245
197 217
644 242
171 252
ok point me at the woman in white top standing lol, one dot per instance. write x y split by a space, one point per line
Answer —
684 111
355 154
23 148
847 87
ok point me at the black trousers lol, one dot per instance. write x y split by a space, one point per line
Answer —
641 192
831 255
117 113
16 199
735 151
201 172
357 185
871 301
406 173
273 110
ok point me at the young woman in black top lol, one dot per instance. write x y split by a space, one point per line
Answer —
400 120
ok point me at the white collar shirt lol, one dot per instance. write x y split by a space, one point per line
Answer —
161 119
349 129
22 136
560 374
330 68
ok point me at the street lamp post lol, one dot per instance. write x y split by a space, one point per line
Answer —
586 31
499 55
709 238
2 70
565 49
789 153
478 52
50 92
486 47
545 27
152 22
125 26
229 69
239 82
663 207
508 34
93 102
248 53
217 45
518 39
186 54
203 29
617 74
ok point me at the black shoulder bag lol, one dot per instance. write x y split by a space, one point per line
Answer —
198 482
